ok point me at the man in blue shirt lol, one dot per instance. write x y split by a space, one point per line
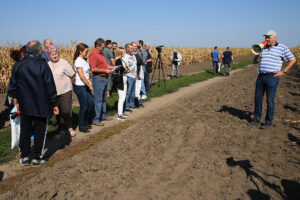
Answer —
215 59
270 63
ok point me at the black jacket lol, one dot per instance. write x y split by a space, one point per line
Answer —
33 85
118 76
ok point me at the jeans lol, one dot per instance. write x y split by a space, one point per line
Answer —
100 88
122 96
143 88
269 85
86 102
215 67
227 68
146 80
130 94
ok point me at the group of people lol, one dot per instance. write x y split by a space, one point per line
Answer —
42 82
227 60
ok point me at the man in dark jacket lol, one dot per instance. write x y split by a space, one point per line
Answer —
34 94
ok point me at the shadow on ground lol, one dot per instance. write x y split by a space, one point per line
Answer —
236 112
291 188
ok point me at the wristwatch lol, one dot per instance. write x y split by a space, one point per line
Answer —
284 71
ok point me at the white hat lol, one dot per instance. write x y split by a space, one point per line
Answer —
270 32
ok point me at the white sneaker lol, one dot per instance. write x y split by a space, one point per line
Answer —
144 96
121 117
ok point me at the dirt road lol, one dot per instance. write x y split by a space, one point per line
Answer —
192 144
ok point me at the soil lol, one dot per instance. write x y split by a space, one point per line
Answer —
192 144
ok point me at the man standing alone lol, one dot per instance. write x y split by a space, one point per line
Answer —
270 63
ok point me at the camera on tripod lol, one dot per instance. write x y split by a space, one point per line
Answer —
158 48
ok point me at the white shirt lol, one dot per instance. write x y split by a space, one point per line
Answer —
130 62
81 63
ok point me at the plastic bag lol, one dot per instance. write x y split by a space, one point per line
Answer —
219 66
138 85
15 129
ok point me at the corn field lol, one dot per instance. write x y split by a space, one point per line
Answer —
189 55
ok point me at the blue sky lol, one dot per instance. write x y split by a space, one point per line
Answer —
184 23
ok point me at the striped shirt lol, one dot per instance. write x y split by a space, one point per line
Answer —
271 59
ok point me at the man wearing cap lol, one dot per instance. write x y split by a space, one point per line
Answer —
269 69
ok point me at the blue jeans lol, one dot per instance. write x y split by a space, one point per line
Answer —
269 85
86 102
100 88
130 94
143 89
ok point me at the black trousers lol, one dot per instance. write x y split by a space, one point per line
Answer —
38 126
64 105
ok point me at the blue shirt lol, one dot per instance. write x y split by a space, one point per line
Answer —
46 56
215 55
271 58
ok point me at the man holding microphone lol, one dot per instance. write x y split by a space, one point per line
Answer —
270 63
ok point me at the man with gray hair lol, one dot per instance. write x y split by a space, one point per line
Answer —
47 44
131 63
34 94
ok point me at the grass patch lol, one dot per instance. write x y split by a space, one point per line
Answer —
6 154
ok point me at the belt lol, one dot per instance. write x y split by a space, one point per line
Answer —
267 73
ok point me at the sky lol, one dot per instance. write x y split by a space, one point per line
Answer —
173 23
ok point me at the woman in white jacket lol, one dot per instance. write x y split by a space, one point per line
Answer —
175 60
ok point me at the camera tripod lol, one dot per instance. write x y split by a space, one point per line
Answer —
159 64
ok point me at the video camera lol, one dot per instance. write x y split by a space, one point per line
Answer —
158 48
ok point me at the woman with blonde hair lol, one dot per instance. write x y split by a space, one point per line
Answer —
83 87
120 82
63 74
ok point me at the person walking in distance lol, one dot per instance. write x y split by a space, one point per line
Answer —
215 54
270 70
227 60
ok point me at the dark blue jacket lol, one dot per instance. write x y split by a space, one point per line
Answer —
33 85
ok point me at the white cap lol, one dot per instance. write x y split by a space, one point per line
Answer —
270 32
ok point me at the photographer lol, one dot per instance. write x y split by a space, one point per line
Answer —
176 60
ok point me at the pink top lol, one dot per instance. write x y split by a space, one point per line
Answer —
62 72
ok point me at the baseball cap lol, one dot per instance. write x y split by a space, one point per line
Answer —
270 32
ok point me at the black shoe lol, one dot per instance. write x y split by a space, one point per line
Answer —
37 162
254 122
24 161
128 110
142 106
266 126
88 126
84 130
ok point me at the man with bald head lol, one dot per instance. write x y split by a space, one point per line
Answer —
47 43
34 94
